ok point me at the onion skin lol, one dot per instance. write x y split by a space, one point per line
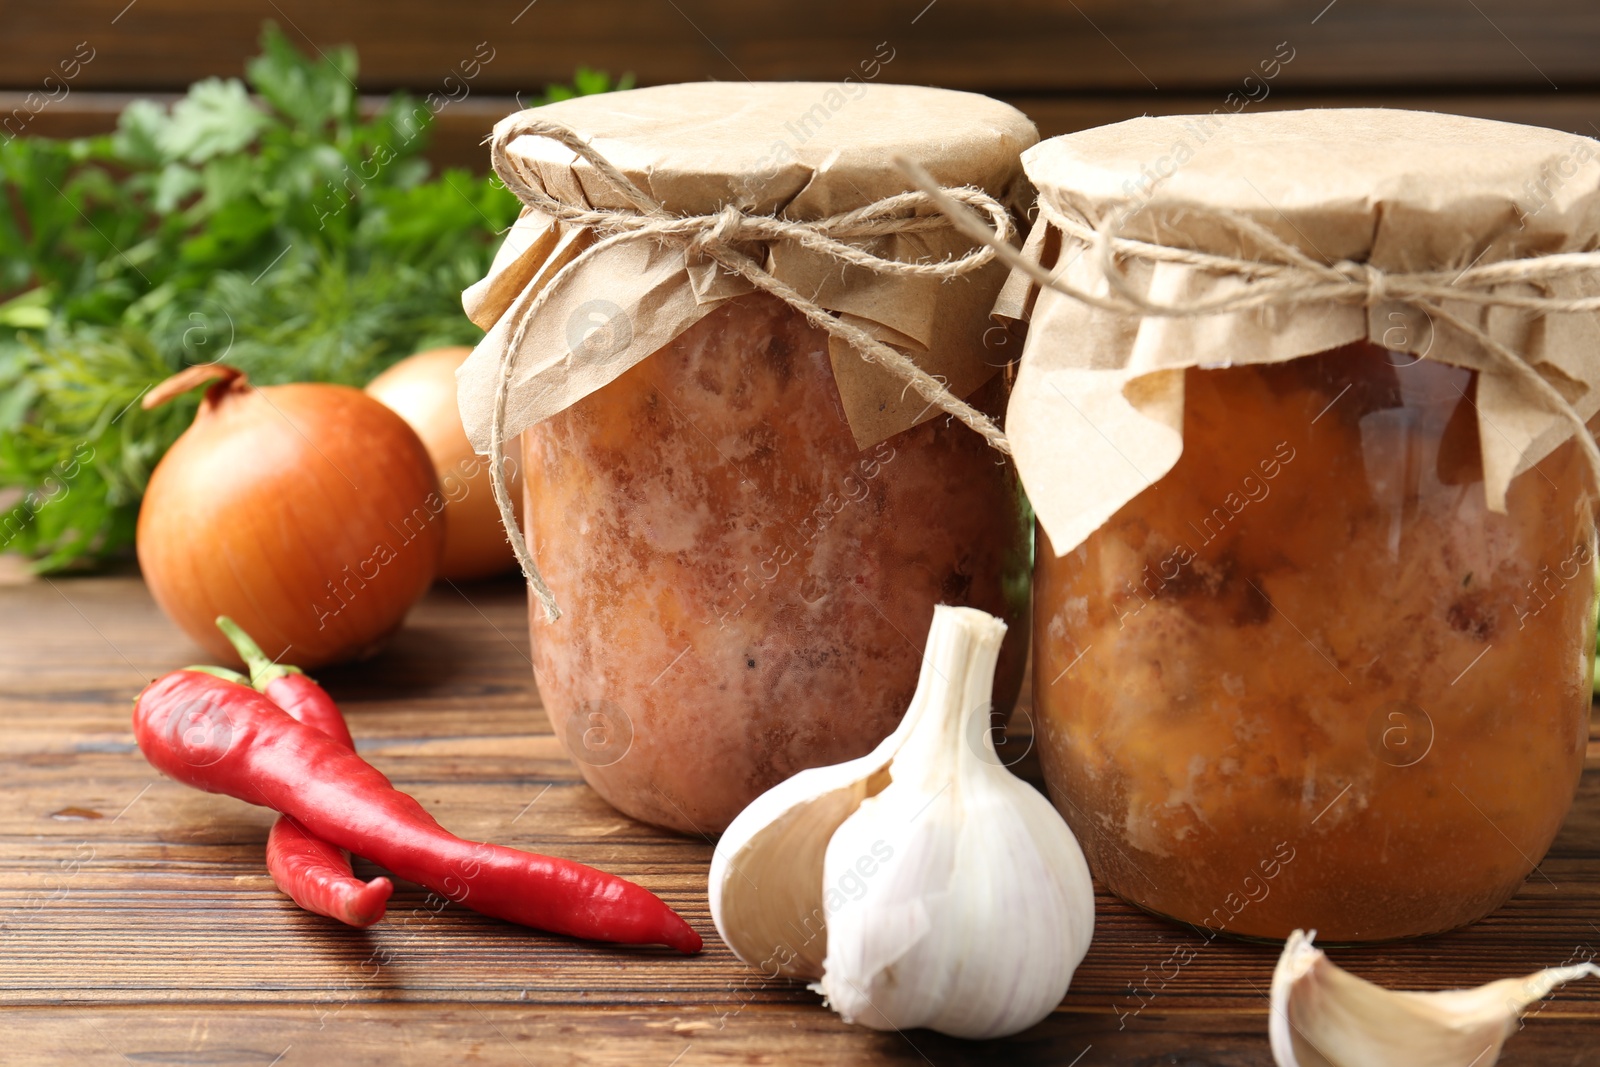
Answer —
309 513
422 389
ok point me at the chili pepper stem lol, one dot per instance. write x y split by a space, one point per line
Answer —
221 672
263 670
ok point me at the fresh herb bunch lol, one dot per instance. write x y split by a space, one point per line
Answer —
280 232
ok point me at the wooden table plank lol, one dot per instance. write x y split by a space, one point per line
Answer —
385 1034
459 130
1023 46
136 919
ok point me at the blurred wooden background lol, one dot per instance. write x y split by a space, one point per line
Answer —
1068 63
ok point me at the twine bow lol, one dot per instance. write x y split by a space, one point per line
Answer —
716 237
1284 275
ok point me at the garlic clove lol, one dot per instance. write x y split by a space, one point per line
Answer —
975 904
1324 1016
766 882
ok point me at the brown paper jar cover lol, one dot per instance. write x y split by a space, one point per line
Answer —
797 150
747 528
1314 600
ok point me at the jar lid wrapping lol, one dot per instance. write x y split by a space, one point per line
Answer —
797 151
1379 195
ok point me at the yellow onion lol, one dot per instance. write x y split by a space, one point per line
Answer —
422 388
309 513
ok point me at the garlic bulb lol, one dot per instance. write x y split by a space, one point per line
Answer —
1323 1016
923 883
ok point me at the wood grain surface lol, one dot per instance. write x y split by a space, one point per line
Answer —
1068 65
456 139
137 924
1023 45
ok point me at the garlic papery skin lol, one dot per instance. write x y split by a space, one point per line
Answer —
970 904
1324 1016
765 886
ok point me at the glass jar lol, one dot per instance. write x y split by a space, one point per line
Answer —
745 590
1307 679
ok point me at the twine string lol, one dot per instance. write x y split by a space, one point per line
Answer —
1283 275
718 237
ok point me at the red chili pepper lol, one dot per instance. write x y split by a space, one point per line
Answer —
288 687
316 875
223 737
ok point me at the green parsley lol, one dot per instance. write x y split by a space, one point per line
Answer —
263 222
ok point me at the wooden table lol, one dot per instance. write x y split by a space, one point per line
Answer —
1067 65
137 924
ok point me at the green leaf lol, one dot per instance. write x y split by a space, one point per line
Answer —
224 181
586 82
311 93
71 454
216 117
15 400
173 185
281 233
234 229
30 311
141 133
